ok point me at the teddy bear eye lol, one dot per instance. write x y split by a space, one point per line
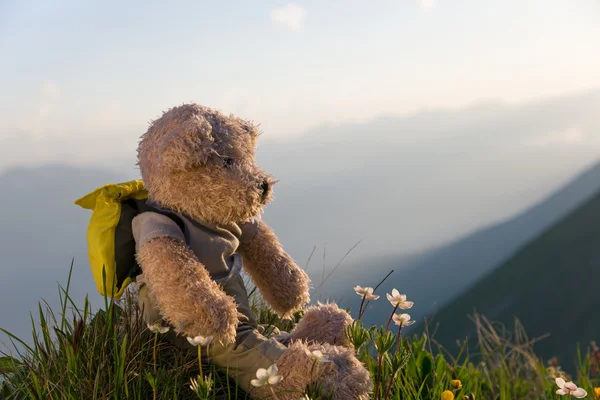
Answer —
227 162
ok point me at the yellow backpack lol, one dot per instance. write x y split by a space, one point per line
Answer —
111 245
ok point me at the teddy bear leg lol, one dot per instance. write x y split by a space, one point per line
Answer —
324 323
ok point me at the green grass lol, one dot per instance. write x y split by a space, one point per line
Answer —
112 355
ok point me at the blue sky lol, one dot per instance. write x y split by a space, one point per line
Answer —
93 68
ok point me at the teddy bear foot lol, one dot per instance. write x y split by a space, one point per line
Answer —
351 379
339 373
323 323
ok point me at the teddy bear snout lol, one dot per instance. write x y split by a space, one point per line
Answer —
265 186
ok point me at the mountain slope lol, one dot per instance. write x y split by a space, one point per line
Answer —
435 278
551 285
407 183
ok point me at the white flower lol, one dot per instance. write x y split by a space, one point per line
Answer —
399 300
200 340
366 292
402 319
318 356
158 328
267 376
194 385
569 388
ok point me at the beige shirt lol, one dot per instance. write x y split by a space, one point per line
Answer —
214 246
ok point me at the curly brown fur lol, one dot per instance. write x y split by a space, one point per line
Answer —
351 380
324 323
281 282
298 370
186 296
341 374
200 162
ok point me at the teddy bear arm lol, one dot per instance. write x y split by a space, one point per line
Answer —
281 282
185 294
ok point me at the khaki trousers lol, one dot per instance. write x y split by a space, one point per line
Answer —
239 360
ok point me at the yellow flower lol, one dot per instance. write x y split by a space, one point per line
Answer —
597 392
456 384
447 395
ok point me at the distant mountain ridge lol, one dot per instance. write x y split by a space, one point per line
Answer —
402 184
550 284
435 278
41 231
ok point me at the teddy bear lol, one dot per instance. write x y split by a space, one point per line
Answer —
199 165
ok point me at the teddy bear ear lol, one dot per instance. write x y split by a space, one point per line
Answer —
188 144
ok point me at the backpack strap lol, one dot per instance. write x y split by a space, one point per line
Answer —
126 261
147 205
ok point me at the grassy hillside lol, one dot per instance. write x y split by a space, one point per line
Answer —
551 284
112 354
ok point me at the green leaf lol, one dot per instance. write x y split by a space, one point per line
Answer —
426 372
440 366
5 392
426 364
9 365
151 379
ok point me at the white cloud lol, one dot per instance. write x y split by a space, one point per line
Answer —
290 15
569 136
427 5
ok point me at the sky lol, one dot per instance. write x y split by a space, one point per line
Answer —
81 80
76 72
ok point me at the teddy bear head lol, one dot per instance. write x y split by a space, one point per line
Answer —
198 161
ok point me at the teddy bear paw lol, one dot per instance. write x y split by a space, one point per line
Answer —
335 370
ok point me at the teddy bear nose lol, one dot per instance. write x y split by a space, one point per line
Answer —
265 187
